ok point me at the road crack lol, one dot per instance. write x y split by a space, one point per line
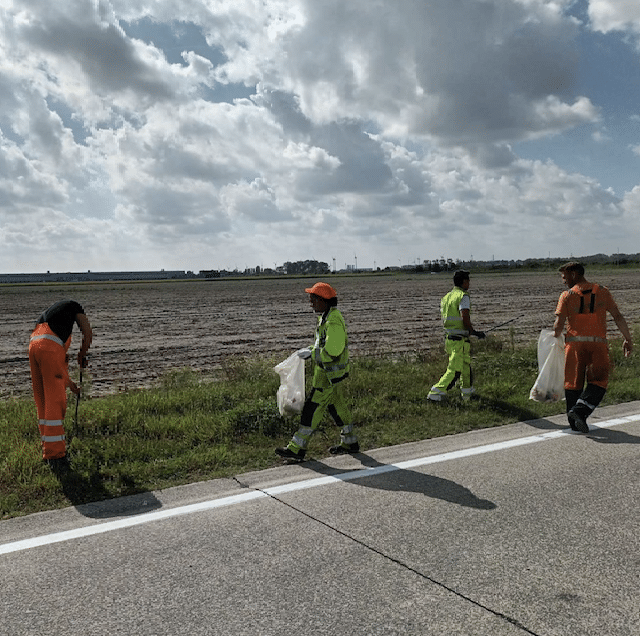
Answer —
444 586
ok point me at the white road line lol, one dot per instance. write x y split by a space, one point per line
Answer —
109 526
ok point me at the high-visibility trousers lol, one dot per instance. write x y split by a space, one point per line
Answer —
586 361
49 373
324 397
458 369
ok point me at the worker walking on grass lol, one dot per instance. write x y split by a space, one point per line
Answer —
584 307
49 361
455 308
330 355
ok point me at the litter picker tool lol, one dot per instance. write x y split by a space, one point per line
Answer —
75 419
502 324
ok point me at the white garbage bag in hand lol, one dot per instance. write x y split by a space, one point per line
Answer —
290 395
549 385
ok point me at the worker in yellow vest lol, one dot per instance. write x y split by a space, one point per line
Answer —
455 308
330 355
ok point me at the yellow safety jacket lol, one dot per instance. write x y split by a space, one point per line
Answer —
330 351
450 312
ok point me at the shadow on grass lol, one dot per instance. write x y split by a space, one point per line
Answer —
389 477
521 414
91 499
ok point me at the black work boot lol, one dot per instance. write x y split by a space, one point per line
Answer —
348 449
287 453
571 397
59 465
585 406
592 396
577 422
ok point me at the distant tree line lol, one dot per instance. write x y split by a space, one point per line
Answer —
306 267
316 268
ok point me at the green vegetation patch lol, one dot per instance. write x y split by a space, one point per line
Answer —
191 428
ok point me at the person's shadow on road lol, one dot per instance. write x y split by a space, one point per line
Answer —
611 436
388 477
600 435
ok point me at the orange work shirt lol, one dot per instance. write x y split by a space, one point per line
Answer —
585 308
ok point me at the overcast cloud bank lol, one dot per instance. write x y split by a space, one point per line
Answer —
202 135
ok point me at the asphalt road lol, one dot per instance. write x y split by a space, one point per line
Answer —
522 529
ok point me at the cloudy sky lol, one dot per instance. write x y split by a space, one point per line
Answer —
210 134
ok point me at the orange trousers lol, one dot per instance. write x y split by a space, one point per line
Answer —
586 361
49 376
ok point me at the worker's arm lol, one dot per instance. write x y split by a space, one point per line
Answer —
335 342
558 325
466 321
64 374
621 323
87 336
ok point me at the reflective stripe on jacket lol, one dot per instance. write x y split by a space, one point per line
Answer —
450 311
47 336
330 351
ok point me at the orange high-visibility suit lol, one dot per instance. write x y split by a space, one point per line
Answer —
585 307
48 348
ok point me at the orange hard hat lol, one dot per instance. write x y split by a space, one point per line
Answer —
324 290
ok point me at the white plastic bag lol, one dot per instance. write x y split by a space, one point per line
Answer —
290 395
549 385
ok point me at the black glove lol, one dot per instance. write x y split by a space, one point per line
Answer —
480 335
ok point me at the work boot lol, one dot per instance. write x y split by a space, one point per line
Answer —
571 396
287 453
468 394
345 449
437 394
577 422
59 465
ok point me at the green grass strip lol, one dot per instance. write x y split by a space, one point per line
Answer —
192 428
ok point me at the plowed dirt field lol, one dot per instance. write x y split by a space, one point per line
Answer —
141 330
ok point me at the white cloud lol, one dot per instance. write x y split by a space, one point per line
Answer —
615 15
631 205
458 71
386 127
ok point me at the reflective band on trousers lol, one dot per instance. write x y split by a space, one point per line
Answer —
301 438
591 407
52 438
456 332
347 436
46 336
334 367
584 339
